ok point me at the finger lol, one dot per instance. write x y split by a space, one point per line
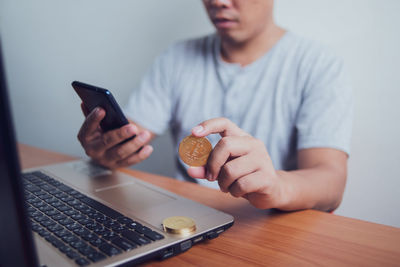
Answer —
247 184
143 154
227 147
85 111
235 169
223 126
91 125
197 172
115 137
125 149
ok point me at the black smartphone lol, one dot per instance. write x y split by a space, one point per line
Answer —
93 96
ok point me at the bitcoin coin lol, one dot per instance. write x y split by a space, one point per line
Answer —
194 151
179 225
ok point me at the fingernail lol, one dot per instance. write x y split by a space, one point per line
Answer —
130 130
148 150
143 136
209 176
198 129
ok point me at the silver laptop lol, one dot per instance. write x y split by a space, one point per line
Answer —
77 213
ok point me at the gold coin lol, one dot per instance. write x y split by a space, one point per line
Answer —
179 225
194 151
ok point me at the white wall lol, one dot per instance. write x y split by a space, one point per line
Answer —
50 43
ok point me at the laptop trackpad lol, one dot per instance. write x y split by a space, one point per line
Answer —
133 196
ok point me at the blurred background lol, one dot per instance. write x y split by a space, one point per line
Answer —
111 44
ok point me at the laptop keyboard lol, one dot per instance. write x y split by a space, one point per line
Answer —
82 228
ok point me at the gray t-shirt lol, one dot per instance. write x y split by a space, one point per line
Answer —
294 97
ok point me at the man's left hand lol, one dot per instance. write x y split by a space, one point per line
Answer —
241 164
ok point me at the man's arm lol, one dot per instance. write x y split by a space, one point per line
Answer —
242 166
319 181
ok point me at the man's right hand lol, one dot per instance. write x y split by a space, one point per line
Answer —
106 149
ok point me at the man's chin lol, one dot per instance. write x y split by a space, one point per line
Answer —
231 37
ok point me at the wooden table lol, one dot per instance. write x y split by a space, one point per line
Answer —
265 237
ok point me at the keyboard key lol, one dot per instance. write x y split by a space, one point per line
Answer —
73 254
89 237
63 208
67 198
45 197
78 216
45 208
47 223
112 224
36 227
78 195
33 200
65 249
40 218
110 235
54 191
78 244
135 225
98 242
82 262
51 213
123 243
60 195
55 228
73 226
66 221
135 237
62 232
155 236
57 203
69 238
149 233
71 212
46 187
87 250
64 188
59 217
97 256
39 193
52 200
31 209
54 241
32 188
81 231
101 231
109 249
44 233
124 220
39 204
119 229
86 222
74 202
102 208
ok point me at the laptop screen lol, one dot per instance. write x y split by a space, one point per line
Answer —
16 245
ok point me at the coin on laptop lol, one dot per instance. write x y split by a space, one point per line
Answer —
179 225
194 151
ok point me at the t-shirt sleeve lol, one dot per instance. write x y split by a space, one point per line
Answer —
150 104
326 112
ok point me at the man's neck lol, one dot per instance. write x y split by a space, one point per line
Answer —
249 51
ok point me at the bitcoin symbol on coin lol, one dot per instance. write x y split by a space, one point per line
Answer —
194 151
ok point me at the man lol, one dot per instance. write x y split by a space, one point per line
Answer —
275 106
